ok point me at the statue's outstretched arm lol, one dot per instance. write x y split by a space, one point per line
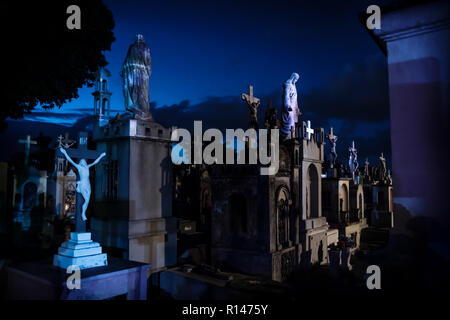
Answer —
68 158
97 160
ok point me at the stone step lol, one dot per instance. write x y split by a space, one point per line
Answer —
80 252
78 245
86 262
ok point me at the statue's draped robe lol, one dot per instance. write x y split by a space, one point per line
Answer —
290 111
136 71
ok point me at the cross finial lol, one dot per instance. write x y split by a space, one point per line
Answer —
65 142
331 135
252 103
249 98
309 130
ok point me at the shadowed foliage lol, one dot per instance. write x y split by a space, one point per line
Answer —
46 62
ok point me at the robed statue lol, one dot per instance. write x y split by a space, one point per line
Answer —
136 71
290 111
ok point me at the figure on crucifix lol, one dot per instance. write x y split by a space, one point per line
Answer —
383 167
353 159
83 185
253 104
332 138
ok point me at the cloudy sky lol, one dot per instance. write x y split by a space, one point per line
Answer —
206 53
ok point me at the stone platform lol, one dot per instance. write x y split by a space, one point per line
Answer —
41 280
80 251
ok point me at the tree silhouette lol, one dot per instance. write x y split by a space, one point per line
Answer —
45 62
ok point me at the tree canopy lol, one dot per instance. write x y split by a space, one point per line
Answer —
46 62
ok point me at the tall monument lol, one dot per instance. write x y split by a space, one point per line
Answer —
133 189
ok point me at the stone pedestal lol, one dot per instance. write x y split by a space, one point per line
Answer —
80 251
40 280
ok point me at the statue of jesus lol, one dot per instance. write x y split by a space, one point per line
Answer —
83 185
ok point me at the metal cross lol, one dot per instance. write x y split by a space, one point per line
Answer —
28 142
309 130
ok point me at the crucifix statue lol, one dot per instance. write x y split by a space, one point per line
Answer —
253 104
28 142
332 138
65 142
383 166
83 184
353 160
366 167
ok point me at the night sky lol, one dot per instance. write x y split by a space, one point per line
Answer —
206 53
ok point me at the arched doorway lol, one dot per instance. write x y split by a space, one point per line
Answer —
283 209
238 212
343 198
312 192
104 106
29 195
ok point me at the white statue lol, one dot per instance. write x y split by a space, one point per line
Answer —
83 185
290 111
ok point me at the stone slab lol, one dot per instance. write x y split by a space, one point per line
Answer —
85 262
79 252
77 246
80 236
40 280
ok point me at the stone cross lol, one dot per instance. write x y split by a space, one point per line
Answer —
332 138
65 142
331 135
352 148
309 130
383 166
28 142
366 167
253 104
353 160
81 152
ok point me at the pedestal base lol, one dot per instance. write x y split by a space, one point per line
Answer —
40 280
80 251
